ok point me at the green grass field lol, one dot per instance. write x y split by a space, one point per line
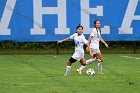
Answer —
44 74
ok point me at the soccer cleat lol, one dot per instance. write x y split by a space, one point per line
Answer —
79 72
65 75
101 73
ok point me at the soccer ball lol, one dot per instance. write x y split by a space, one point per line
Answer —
90 72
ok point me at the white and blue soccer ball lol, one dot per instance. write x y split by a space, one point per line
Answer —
90 72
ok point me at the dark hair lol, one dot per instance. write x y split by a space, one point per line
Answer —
95 26
79 26
95 22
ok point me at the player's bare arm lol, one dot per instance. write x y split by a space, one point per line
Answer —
89 39
102 40
88 47
66 39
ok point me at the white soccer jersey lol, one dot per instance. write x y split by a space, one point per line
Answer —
79 43
94 44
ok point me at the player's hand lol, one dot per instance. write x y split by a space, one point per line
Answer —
106 45
60 41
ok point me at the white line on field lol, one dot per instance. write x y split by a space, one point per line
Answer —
130 57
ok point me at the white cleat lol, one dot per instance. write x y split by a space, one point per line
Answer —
65 75
101 73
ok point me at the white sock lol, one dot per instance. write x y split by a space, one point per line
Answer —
82 67
90 61
87 62
68 68
99 67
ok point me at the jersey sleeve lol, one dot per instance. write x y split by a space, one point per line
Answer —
72 36
92 33
84 40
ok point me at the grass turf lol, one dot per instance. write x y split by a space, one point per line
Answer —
44 74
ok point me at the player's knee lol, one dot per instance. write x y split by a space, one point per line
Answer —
100 60
69 63
83 63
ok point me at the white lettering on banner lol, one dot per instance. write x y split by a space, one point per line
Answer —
6 17
85 19
105 30
129 17
60 11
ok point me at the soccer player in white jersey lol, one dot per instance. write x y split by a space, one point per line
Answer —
94 39
78 55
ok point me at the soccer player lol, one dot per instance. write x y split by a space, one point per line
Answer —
78 55
94 39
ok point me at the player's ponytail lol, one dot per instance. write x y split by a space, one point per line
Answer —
95 25
95 22
100 29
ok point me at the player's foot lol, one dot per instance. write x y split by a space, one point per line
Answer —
65 75
79 72
101 73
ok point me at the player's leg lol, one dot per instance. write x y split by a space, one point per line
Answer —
100 62
89 61
92 56
83 63
92 59
68 67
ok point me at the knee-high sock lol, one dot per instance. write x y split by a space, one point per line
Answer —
68 68
100 67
